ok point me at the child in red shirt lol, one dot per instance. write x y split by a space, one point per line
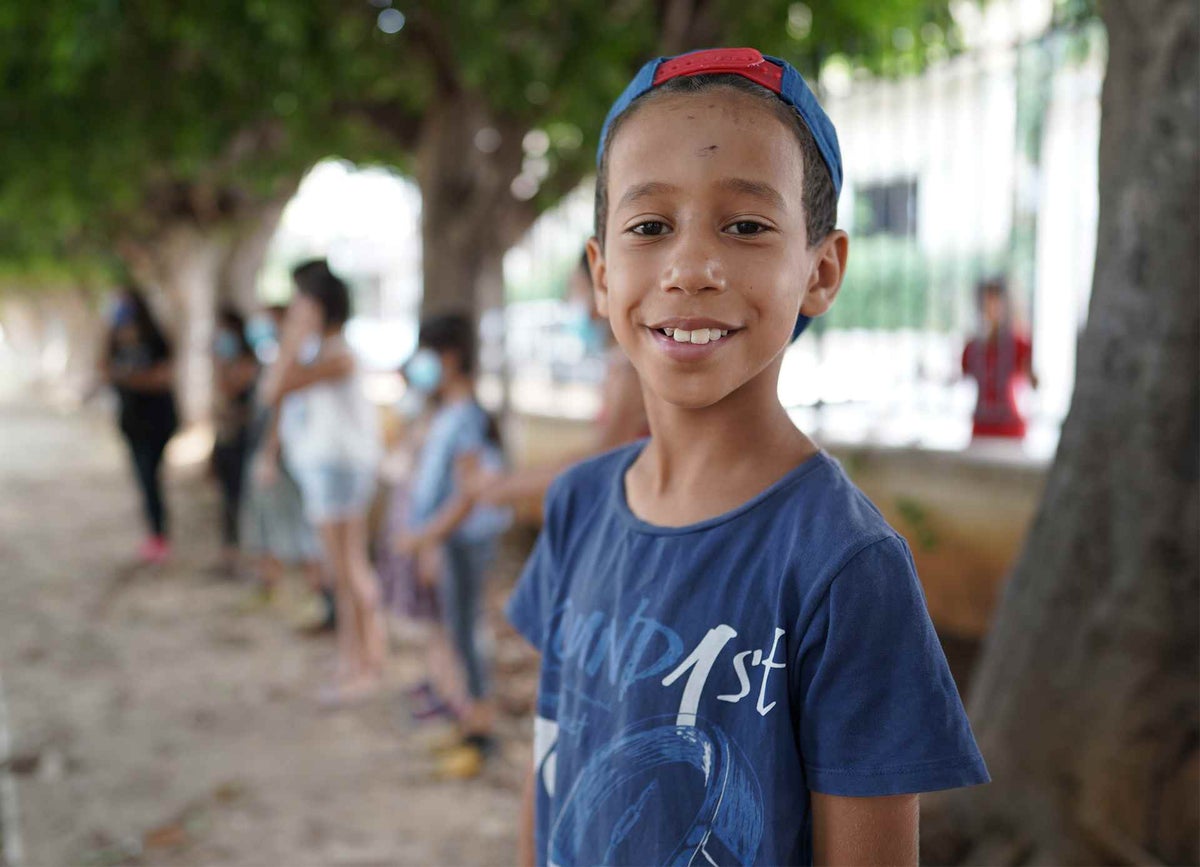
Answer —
996 360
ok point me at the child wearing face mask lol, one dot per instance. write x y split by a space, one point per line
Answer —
462 440
235 371
329 434
274 529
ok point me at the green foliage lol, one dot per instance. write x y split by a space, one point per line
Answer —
122 114
891 284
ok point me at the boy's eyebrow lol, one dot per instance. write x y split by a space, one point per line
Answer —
758 189
641 191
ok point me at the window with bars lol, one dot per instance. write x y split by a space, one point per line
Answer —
886 208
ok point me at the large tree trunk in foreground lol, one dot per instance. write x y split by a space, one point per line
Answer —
1085 702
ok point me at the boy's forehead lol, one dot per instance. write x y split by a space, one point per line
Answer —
718 135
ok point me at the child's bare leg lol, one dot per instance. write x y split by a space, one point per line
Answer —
372 631
314 576
334 539
479 717
270 571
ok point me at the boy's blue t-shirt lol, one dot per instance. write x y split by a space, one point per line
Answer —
696 682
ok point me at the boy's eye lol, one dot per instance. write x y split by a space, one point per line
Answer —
747 227
650 227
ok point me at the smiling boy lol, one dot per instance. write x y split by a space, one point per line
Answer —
738 666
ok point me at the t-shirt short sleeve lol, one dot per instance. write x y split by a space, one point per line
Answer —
879 710
531 604
528 606
470 435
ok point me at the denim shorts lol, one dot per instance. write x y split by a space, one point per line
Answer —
335 491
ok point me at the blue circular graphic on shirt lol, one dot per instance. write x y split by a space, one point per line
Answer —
661 793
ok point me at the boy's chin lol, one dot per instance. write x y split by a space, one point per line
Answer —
691 396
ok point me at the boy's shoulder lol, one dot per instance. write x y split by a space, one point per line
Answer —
816 505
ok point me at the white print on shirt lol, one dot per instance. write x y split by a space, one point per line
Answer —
606 804
701 661
545 736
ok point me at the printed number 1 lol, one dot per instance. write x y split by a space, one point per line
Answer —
701 662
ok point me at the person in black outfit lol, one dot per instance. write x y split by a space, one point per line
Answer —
137 362
235 368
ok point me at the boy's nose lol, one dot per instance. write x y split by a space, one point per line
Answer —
694 266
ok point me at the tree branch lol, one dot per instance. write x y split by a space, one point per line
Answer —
401 126
427 36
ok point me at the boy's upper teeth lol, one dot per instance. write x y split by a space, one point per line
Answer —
696 335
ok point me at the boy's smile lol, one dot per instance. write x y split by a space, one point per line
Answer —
706 263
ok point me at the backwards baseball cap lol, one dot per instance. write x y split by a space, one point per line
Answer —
777 76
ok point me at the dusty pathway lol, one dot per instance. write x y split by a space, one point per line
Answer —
156 720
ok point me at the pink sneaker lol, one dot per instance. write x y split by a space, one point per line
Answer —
154 550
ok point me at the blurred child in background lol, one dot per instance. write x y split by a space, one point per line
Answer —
137 362
462 440
997 359
274 528
235 371
330 438
404 597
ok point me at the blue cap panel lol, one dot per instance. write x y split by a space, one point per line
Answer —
642 82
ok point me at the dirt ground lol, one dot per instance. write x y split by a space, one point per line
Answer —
156 718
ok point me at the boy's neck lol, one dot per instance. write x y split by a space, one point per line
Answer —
458 388
701 463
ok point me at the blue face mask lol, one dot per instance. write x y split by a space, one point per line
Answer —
260 330
424 371
226 345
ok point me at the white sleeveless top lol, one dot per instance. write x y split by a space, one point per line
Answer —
332 421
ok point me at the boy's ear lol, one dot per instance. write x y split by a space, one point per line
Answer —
827 273
595 257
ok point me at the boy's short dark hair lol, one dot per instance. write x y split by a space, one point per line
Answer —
820 196
451 332
314 279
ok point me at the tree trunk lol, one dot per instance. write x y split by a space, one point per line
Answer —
1085 701
251 237
467 161
181 267
24 334
76 311
54 337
